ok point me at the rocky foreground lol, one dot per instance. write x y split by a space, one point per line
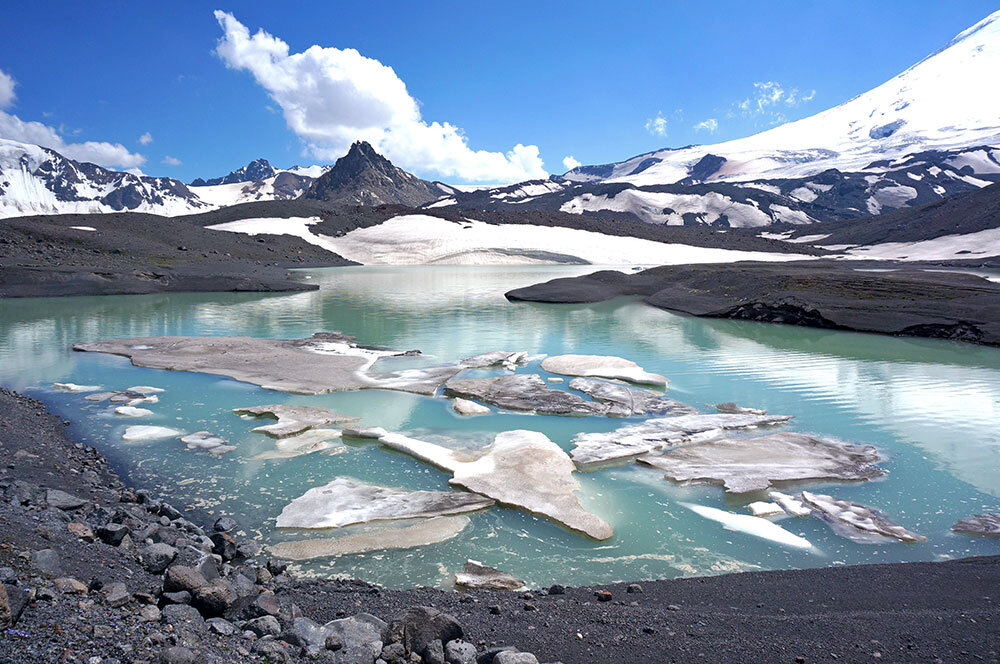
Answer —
884 298
95 571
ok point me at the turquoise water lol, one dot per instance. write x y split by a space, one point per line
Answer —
930 407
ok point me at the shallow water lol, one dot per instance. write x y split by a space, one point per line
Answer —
931 408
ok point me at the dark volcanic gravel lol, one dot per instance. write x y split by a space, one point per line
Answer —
915 612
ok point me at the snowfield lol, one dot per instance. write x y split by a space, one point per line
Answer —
418 239
969 245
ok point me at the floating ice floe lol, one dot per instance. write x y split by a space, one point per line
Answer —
857 522
207 441
466 407
144 432
293 419
730 407
479 576
132 411
520 468
752 464
791 505
345 501
762 508
601 366
494 358
980 524
100 396
634 440
751 525
624 401
421 533
74 388
325 362
307 442
145 390
523 392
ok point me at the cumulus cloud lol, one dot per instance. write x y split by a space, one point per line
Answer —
6 90
146 138
331 97
570 162
16 129
171 161
709 125
657 126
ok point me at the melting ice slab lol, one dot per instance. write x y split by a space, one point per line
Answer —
752 464
601 366
422 533
634 440
142 432
623 401
477 575
293 419
980 524
751 525
523 392
345 501
520 468
325 362
860 523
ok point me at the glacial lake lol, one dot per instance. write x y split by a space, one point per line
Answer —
932 409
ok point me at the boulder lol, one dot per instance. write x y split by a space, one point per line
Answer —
46 561
213 598
157 557
509 657
360 636
264 626
181 578
418 626
63 500
476 575
460 652
116 595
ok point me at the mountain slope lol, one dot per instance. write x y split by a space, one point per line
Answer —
945 101
37 180
364 177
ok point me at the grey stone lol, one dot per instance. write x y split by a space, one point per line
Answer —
46 561
264 626
182 616
178 655
224 524
157 557
178 597
272 651
116 595
63 500
361 636
460 652
221 626
416 627
515 658
179 577
394 653
488 656
213 598
113 533
434 652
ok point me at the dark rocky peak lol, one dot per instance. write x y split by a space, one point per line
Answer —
258 169
364 177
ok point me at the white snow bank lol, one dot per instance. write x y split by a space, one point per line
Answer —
968 245
423 240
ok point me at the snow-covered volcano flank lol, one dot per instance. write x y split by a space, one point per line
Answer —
949 99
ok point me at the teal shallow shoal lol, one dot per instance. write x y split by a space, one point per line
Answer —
931 407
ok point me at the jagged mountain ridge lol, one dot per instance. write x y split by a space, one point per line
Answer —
364 177
37 180
258 169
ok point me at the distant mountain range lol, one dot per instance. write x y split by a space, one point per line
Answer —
929 133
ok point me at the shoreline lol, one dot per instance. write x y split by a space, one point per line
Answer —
902 611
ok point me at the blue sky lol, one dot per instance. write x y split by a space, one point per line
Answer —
583 79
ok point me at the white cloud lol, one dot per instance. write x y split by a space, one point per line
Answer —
135 171
6 90
146 138
331 97
658 125
16 129
570 162
104 154
709 125
171 161
771 94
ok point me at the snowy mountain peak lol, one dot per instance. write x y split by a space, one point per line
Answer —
258 169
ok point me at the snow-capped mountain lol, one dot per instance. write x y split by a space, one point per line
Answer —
258 169
364 177
37 180
279 187
948 100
